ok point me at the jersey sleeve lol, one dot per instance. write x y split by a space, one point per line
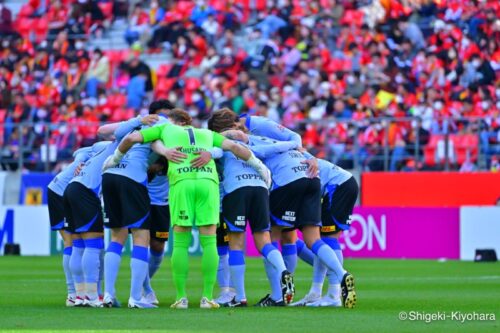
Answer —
126 127
217 140
153 133
264 148
271 129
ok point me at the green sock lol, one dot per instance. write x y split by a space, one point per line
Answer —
209 264
180 262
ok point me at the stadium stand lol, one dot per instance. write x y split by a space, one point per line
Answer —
369 66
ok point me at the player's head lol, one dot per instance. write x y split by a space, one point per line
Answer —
179 117
161 106
224 119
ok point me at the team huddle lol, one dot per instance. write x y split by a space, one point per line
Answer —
158 171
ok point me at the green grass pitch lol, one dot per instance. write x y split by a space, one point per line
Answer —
32 294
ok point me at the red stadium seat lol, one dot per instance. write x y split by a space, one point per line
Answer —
24 26
163 86
25 11
41 28
430 150
163 70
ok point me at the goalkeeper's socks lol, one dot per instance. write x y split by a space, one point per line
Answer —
112 260
319 272
289 252
304 252
180 262
209 264
328 257
273 255
75 264
223 272
155 260
70 286
90 266
139 268
237 267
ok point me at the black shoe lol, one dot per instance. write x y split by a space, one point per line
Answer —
236 304
268 301
348 292
288 287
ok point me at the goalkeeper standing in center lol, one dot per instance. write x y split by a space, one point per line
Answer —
194 193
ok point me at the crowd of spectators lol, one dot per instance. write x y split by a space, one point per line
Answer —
364 65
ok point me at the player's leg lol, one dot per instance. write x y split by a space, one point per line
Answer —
226 293
206 205
289 248
112 258
310 217
91 261
237 268
139 268
56 215
159 232
181 197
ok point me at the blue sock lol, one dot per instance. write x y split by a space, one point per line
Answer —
274 257
155 259
223 272
101 272
237 269
67 272
328 258
333 283
90 265
304 252
274 280
112 260
289 252
335 245
75 265
139 270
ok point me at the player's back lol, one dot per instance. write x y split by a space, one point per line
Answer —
191 140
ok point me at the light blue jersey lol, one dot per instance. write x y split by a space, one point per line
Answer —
134 164
237 174
262 126
90 175
158 189
61 181
331 175
281 158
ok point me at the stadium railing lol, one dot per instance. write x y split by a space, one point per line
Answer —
372 144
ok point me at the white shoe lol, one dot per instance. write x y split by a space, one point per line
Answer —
205 303
151 298
180 304
70 301
93 304
309 298
326 300
225 297
79 301
142 304
110 302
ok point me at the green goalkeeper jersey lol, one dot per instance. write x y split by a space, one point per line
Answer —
191 140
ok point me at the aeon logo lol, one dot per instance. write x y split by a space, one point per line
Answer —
365 233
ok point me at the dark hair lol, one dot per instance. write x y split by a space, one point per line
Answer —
222 120
180 117
160 104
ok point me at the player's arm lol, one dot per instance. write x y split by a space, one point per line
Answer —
276 131
173 154
120 129
271 148
206 156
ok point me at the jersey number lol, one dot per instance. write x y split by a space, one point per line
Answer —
192 140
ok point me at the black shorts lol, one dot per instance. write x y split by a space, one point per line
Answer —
249 204
82 209
160 222
126 202
337 206
222 236
296 204
56 210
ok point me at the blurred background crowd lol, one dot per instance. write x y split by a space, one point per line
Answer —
372 84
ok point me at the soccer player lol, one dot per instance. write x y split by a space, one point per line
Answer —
339 191
56 190
127 205
246 200
83 211
194 194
